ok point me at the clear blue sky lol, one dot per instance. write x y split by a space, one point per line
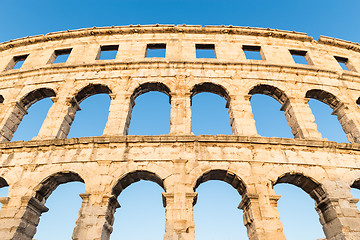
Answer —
216 215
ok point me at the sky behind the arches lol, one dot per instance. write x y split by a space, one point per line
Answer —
332 18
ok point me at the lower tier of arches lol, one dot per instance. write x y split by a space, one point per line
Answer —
33 170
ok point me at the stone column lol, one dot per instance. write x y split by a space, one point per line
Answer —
346 114
179 216
59 118
19 217
338 213
178 202
241 117
96 217
13 115
180 116
261 217
119 115
300 118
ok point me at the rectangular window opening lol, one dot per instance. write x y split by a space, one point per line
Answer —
205 50
343 62
156 50
299 56
252 52
108 52
18 61
61 56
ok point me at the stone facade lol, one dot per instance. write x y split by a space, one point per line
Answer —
179 162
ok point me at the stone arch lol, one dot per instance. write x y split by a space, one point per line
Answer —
123 182
135 176
3 182
356 184
36 95
222 175
281 97
339 109
217 89
309 185
49 184
323 96
144 88
36 204
74 104
20 110
238 184
90 90
211 88
148 87
323 204
274 92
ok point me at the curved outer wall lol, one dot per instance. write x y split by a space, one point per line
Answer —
179 161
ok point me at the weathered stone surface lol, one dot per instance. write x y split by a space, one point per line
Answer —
179 162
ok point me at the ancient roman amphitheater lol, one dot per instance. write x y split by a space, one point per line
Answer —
179 161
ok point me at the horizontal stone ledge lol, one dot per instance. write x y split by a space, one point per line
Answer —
215 139
212 64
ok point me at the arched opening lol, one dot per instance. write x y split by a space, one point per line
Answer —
355 191
324 104
209 110
297 214
141 207
149 110
29 114
215 214
94 102
4 189
60 192
266 103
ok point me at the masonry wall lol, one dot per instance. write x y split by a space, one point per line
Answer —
179 161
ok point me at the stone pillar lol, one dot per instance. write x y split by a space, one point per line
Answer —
180 116
338 213
241 117
178 202
13 115
346 114
119 115
96 217
261 217
19 217
59 118
179 216
300 118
